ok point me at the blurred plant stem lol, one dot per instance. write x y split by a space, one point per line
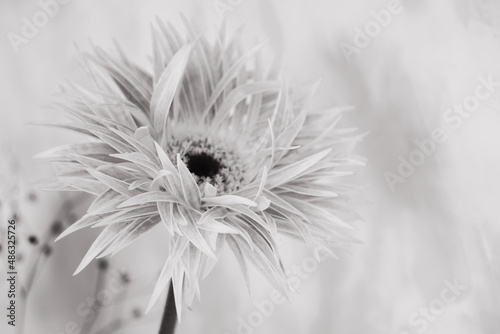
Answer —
91 318
169 319
39 263
118 319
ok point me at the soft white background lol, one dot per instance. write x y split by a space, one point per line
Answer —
441 224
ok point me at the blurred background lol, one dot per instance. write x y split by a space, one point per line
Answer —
430 257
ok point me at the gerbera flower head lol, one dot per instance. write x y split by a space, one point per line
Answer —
214 144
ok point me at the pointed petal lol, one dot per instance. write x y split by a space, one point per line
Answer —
189 186
102 241
86 221
284 174
178 247
227 200
166 87
190 231
150 197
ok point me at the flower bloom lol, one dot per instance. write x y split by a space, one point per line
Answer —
214 144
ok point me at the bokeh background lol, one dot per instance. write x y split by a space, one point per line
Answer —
440 225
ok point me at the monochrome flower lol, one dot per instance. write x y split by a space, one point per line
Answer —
216 145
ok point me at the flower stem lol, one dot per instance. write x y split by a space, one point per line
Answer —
169 319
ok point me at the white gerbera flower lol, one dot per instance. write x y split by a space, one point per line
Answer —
213 144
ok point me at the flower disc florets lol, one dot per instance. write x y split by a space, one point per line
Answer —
210 161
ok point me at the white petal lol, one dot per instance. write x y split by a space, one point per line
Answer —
167 86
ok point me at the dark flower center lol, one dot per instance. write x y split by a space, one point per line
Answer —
203 165
209 161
